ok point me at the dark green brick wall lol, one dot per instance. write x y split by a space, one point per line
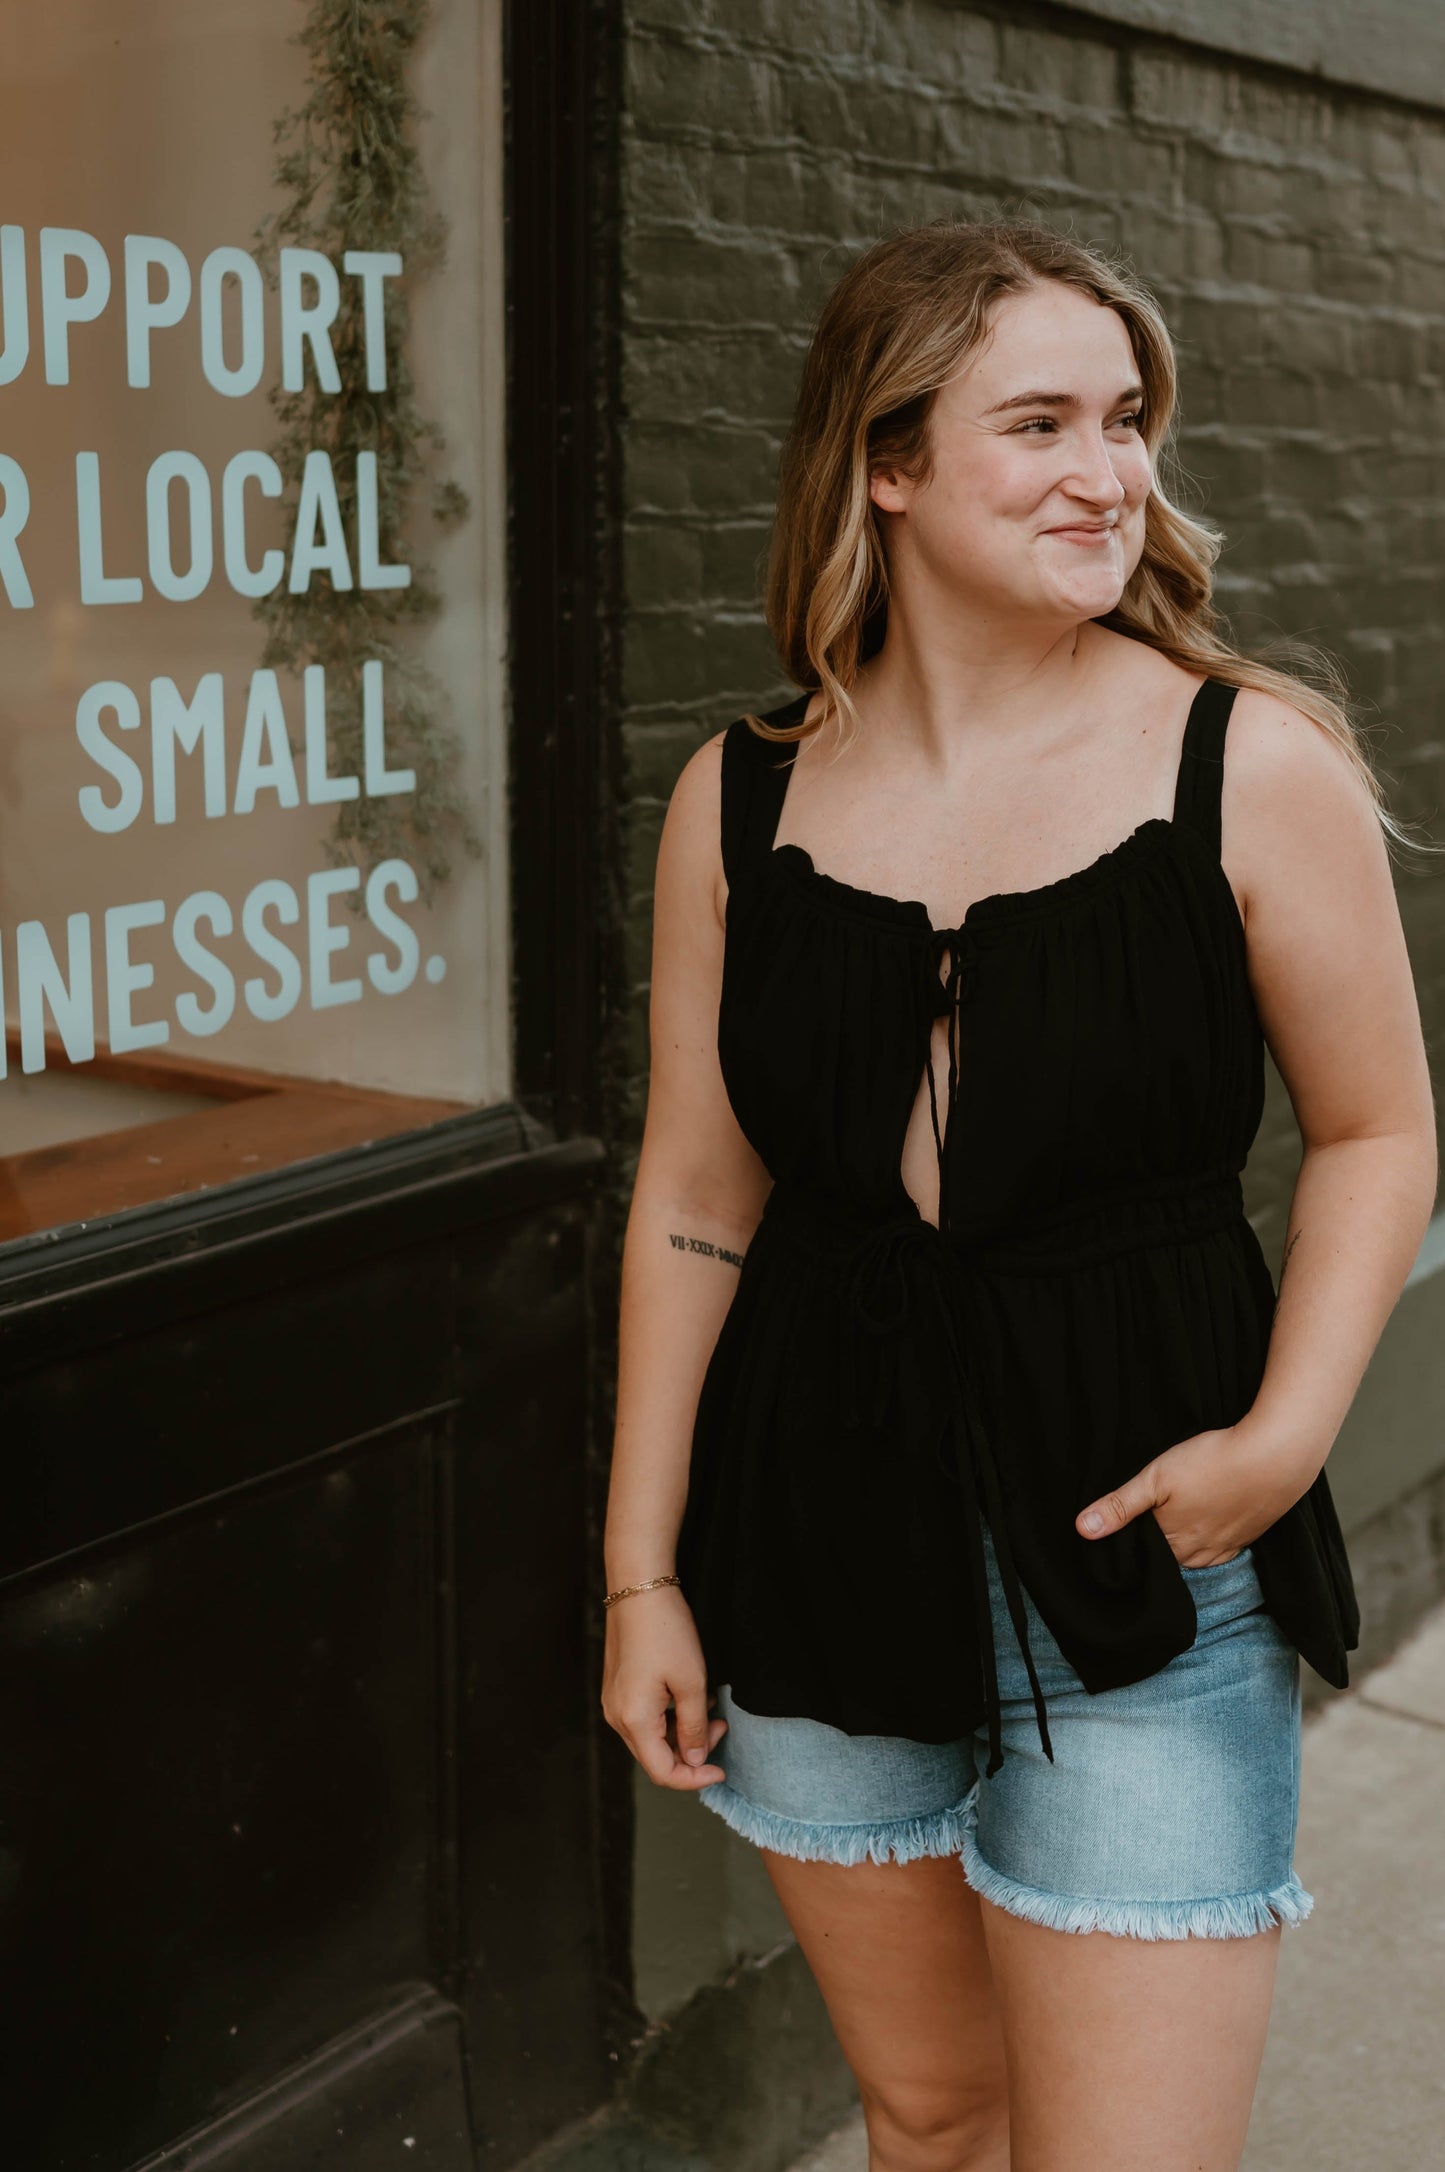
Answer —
1292 229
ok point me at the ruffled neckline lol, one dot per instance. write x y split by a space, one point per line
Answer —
1151 835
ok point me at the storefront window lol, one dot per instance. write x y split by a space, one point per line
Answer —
252 729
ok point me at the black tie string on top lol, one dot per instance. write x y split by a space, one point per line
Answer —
974 1461
963 1446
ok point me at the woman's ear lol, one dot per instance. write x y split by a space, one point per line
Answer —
888 490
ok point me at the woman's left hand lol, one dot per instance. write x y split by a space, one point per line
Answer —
1211 1495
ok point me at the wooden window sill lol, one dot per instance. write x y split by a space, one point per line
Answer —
259 1120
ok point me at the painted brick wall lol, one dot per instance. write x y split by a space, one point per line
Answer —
1292 229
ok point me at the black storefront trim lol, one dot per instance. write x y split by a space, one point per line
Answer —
75 1286
563 101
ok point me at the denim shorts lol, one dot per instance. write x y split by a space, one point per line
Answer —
1169 1810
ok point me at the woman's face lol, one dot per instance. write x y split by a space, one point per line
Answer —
1035 508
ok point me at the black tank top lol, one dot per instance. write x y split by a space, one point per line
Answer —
1092 1292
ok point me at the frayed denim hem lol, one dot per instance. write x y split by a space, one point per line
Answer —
903 1839
1229 1915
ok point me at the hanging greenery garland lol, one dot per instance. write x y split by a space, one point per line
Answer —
350 178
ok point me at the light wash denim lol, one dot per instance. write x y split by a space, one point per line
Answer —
1169 1811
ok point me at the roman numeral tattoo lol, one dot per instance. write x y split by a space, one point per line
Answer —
681 1243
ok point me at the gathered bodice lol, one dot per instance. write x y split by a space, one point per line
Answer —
1101 1029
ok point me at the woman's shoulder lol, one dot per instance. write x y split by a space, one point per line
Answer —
703 767
1278 751
707 805
725 759
690 846
1295 799
698 790
1274 748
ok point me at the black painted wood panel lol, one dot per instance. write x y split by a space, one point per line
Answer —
294 1704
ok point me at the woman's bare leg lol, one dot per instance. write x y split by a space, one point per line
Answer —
898 1953
1139 2055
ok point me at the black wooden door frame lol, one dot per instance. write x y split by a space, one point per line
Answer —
563 102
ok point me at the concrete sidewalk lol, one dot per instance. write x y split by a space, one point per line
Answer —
1354 2069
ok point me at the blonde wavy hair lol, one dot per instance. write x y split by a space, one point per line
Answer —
902 321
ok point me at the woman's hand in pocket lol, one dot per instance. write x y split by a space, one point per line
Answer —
1210 1495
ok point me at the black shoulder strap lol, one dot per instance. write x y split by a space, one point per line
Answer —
1199 787
755 773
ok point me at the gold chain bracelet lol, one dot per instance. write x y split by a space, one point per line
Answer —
651 1586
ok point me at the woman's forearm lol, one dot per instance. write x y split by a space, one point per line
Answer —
680 1266
1359 1210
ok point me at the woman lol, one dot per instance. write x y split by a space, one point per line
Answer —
965 1456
